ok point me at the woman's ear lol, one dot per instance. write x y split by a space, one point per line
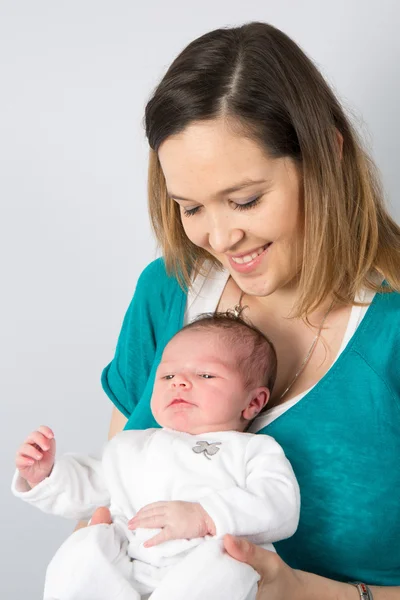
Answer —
258 399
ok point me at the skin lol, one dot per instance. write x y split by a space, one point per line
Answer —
200 371
197 164
206 158
199 368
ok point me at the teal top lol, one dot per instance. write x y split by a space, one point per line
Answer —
342 437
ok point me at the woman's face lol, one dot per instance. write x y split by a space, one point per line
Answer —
241 206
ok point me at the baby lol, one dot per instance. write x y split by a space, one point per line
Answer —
174 491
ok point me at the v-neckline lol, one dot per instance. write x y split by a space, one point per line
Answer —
308 394
222 278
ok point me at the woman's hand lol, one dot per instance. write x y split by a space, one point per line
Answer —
101 516
280 582
35 457
176 519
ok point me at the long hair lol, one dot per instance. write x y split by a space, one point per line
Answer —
258 79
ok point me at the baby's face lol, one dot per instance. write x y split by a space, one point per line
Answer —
198 387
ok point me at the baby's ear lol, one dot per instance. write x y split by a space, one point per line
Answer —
258 399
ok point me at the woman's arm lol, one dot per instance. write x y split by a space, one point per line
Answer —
117 424
280 582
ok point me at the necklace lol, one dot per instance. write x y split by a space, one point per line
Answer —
238 309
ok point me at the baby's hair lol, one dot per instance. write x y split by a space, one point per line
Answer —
256 356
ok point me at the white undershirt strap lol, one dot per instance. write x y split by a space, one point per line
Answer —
204 297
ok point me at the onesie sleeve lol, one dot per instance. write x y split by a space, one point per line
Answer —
74 489
267 508
125 378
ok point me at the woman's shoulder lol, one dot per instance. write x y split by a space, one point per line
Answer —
385 310
155 271
157 297
155 284
377 340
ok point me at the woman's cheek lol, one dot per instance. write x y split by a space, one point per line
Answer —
194 232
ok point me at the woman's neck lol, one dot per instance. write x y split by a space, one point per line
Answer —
283 304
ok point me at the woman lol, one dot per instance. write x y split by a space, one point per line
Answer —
262 199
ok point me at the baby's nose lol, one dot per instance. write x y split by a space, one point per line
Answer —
180 382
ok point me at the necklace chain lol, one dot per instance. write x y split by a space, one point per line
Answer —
238 309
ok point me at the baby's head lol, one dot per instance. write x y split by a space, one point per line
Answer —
215 374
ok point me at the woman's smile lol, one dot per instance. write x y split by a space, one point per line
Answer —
244 263
199 165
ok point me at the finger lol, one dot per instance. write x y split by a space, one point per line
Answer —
38 439
153 512
22 462
147 522
153 508
139 517
101 515
47 432
161 537
263 561
30 451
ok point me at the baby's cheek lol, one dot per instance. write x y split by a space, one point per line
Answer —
155 402
217 408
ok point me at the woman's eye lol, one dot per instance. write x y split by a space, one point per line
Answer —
188 212
249 204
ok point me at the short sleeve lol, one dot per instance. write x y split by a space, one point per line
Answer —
125 378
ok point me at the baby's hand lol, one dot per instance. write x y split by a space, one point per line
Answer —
176 519
35 458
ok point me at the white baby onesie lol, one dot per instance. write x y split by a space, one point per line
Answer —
243 481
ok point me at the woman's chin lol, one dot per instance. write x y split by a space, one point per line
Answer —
260 285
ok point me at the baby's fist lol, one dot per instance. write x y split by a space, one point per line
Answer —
35 457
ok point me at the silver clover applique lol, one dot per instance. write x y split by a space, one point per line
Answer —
209 449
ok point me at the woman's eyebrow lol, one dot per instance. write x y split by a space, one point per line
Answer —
230 190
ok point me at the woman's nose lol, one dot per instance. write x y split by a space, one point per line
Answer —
222 236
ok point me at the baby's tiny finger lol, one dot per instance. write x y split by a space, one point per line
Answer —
161 537
148 523
30 451
46 431
153 508
23 462
38 440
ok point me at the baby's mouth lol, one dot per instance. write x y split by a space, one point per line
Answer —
179 401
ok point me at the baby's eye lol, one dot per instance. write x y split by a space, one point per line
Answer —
206 376
168 377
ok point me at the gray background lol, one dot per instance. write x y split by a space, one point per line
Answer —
74 79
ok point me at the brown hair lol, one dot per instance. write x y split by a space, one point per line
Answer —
258 79
255 353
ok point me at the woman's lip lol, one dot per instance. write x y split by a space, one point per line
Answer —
249 266
241 254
